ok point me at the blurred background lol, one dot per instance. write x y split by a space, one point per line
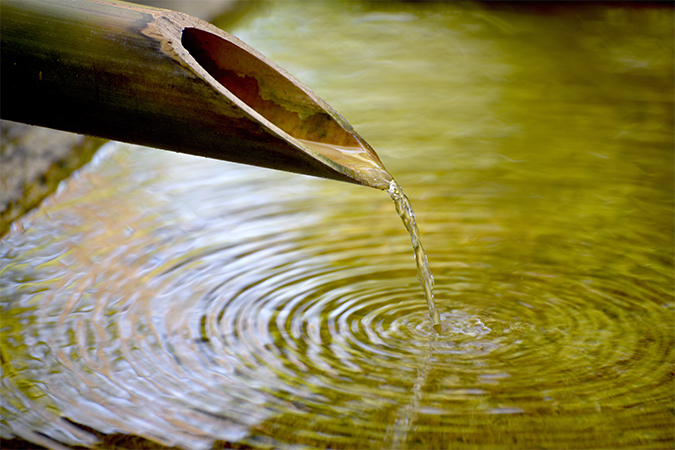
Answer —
162 300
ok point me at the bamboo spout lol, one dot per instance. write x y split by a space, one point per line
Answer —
168 80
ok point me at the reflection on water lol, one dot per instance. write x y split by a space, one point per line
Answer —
190 301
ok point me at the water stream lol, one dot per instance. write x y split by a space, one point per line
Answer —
165 300
424 275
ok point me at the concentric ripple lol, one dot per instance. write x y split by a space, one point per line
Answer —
199 304
158 324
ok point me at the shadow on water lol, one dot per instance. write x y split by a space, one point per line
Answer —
171 301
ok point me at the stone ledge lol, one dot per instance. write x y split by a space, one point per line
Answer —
33 161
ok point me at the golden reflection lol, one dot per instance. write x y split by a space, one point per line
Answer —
196 303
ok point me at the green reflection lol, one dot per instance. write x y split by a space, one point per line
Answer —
537 147
225 303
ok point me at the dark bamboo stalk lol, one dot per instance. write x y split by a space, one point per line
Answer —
164 79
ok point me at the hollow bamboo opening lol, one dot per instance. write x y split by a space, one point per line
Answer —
264 90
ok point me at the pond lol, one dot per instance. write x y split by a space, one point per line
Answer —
201 304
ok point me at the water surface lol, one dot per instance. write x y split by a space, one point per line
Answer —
194 302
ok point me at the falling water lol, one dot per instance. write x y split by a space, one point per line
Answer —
205 305
424 275
367 167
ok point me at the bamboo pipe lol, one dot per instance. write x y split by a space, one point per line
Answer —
164 79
